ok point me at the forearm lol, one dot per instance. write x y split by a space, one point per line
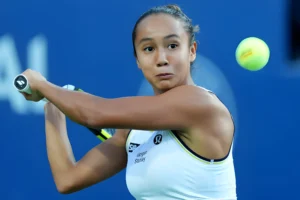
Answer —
70 102
59 150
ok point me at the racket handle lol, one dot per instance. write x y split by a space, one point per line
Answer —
21 84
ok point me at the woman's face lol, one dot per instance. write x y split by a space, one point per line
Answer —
163 51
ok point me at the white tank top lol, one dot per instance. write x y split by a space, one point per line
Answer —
161 167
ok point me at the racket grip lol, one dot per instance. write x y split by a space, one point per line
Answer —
21 84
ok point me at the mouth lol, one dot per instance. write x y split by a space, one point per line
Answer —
165 76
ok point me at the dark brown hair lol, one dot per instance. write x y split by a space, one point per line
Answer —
174 11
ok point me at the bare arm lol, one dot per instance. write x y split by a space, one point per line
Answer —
179 108
100 163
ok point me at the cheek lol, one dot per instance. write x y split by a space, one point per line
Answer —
142 61
145 66
182 60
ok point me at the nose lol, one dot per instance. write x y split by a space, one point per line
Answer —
161 58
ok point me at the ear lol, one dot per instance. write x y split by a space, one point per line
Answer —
138 63
193 52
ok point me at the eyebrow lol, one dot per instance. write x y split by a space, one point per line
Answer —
166 37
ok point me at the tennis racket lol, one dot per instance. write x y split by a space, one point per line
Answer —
22 85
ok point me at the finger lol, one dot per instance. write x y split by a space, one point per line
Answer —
26 73
27 96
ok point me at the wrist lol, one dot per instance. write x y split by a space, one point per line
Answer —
41 87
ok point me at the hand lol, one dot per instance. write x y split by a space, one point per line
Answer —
35 79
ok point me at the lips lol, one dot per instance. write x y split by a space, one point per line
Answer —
165 76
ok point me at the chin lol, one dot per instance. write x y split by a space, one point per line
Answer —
165 85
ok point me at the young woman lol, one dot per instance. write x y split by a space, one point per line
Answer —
174 145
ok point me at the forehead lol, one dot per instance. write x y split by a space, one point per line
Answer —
159 25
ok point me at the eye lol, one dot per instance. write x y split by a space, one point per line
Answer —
172 46
148 49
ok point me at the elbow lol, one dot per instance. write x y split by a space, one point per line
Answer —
65 188
65 185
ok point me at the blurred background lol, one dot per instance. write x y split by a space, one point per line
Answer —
88 44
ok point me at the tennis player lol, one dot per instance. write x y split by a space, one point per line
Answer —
176 144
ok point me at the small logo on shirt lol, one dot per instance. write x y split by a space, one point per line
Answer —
157 139
140 157
132 146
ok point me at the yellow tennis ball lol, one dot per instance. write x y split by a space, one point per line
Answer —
252 54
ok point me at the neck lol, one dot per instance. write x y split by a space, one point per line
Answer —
188 81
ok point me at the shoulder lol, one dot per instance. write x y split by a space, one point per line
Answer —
196 98
218 118
194 95
201 106
187 89
203 103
